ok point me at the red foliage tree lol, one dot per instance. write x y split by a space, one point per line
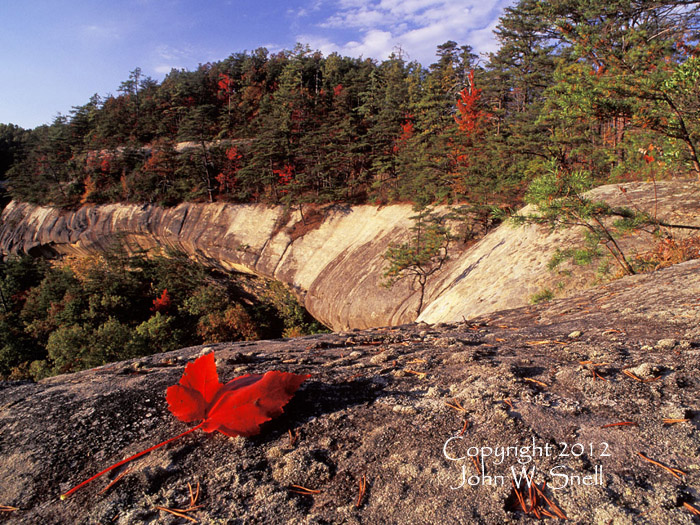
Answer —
406 133
227 176
469 115
284 175
162 303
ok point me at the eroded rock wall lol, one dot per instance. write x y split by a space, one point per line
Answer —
333 268
336 267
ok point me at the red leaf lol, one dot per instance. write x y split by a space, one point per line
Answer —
189 399
249 401
235 409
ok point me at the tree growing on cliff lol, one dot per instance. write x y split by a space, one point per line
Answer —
561 201
423 255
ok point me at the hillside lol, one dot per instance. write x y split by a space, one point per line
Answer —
383 405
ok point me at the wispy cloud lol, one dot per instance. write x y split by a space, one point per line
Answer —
306 10
168 57
416 26
99 33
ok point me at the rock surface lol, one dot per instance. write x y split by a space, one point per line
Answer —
378 408
335 265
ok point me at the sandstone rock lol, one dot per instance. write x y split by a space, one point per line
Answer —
336 268
666 344
395 431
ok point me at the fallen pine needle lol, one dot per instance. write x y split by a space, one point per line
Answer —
620 424
303 490
535 381
464 427
630 374
636 378
672 421
534 504
551 504
182 513
7 508
293 438
676 472
194 496
476 465
509 403
520 497
177 513
597 376
363 488
115 480
421 375
691 508
457 406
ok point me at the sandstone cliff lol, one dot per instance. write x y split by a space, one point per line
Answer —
336 267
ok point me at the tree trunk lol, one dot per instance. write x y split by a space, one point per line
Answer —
686 137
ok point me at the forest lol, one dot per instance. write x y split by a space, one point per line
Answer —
609 88
80 312
578 91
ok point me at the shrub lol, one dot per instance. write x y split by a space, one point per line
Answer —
542 296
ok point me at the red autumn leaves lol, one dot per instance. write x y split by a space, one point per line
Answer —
237 408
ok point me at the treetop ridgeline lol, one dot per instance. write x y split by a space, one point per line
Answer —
609 88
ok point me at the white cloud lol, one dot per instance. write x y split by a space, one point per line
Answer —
417 26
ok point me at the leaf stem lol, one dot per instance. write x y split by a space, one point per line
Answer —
131 458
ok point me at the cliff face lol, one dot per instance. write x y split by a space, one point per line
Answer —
336 266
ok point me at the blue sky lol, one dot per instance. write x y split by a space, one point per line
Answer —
55 54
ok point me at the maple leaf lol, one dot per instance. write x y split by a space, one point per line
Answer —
237 408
